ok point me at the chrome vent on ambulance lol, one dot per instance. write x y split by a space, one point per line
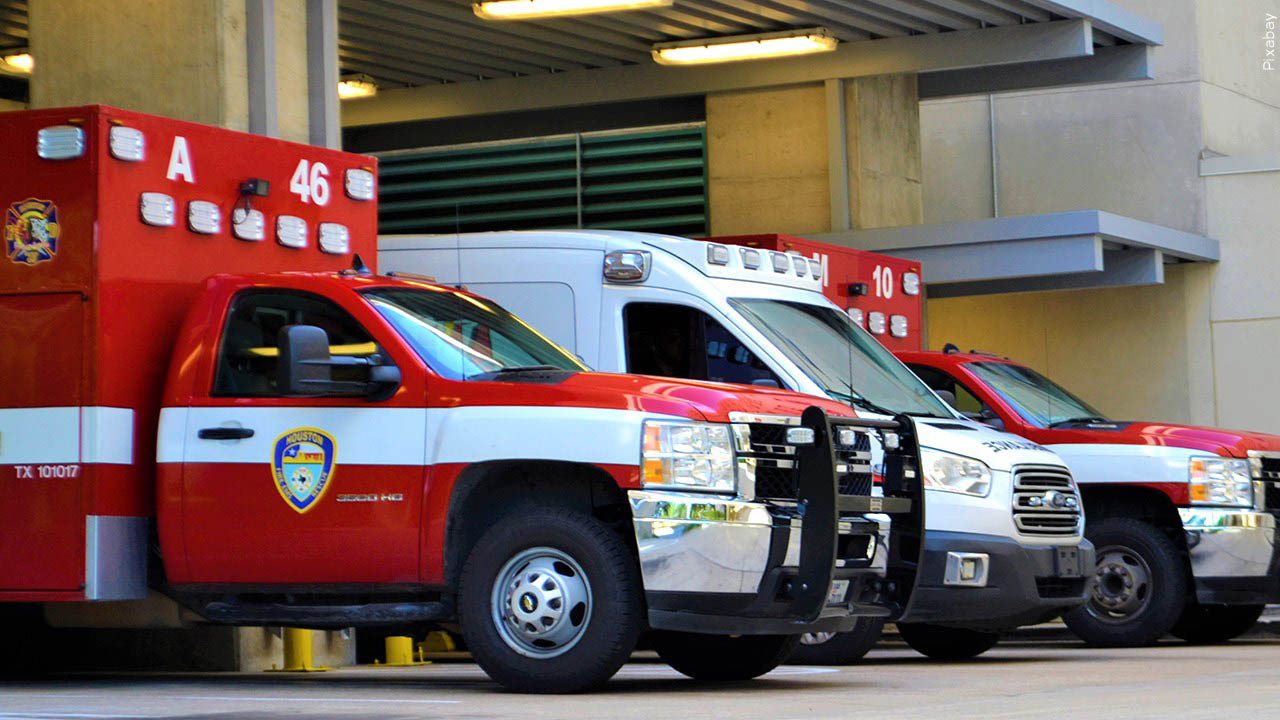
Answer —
775 460
1045 501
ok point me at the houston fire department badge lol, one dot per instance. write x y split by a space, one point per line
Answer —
302 466
31 231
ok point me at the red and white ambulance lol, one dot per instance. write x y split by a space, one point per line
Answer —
1183 518
208 396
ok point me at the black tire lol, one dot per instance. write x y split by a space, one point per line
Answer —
844 648
1144 610
1209 624
604 629
723 658
946 643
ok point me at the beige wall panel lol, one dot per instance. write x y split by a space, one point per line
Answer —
1132 151
291 69
767 161
1231 34
141 56
956 159
882 116
1248 386
1238 125
7 105
1123 350
1243 219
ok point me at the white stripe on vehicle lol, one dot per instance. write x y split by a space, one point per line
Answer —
66 435
412 436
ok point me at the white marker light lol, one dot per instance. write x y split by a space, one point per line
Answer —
248 224
897 326
536 9
291 231
876 323
157 209
60 142
745 47
717 254
781 263
335 239
204 217
911 283
815 267
359 184
750 258
801 264
626 266
127 144
857 316
800 436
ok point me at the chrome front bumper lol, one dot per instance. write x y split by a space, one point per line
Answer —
705 544
1229 543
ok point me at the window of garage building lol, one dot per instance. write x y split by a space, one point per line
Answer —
651 179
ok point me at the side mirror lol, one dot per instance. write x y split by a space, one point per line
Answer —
988 418
765 382
306 367
947 396
304 361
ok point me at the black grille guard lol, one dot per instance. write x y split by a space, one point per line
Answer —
821 505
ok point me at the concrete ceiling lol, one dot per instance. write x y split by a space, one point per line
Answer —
13 24
410 43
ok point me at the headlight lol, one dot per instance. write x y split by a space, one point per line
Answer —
1221 481
955 473
688 456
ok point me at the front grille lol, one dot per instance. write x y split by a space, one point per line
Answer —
1271 482
1045 501
776 476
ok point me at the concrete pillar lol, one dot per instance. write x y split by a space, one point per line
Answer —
184 60
770 156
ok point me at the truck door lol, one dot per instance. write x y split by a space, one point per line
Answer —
313 489
42 518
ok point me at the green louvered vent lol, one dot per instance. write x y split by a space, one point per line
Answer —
652 179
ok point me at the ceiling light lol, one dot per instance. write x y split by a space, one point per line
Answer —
536 9
356 86
20 63
745 47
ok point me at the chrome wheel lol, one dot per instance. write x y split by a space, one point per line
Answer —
1121 587
815 638
541 602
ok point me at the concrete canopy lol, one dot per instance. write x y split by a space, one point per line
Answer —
1054 251
436 59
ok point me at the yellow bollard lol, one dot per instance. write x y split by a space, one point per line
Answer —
438 641
400 652
298 652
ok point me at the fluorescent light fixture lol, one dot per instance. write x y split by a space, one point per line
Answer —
537 9
20 63
745 47
356 86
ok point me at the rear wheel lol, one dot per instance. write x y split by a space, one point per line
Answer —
843 648
550 602
722 658
1140 588
1206 624
947 643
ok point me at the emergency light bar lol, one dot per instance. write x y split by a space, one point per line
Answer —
60 142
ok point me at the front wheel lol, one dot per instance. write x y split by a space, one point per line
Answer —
550 602
843 648
946 643
1207 624
723 658
1140 587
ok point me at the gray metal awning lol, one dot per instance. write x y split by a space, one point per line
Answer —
435 58
1055 251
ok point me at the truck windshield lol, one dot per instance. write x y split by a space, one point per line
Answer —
1035 397
850 365
460 336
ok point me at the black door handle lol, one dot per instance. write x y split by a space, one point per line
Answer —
224 433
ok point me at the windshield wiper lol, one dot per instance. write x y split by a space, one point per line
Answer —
1085 419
